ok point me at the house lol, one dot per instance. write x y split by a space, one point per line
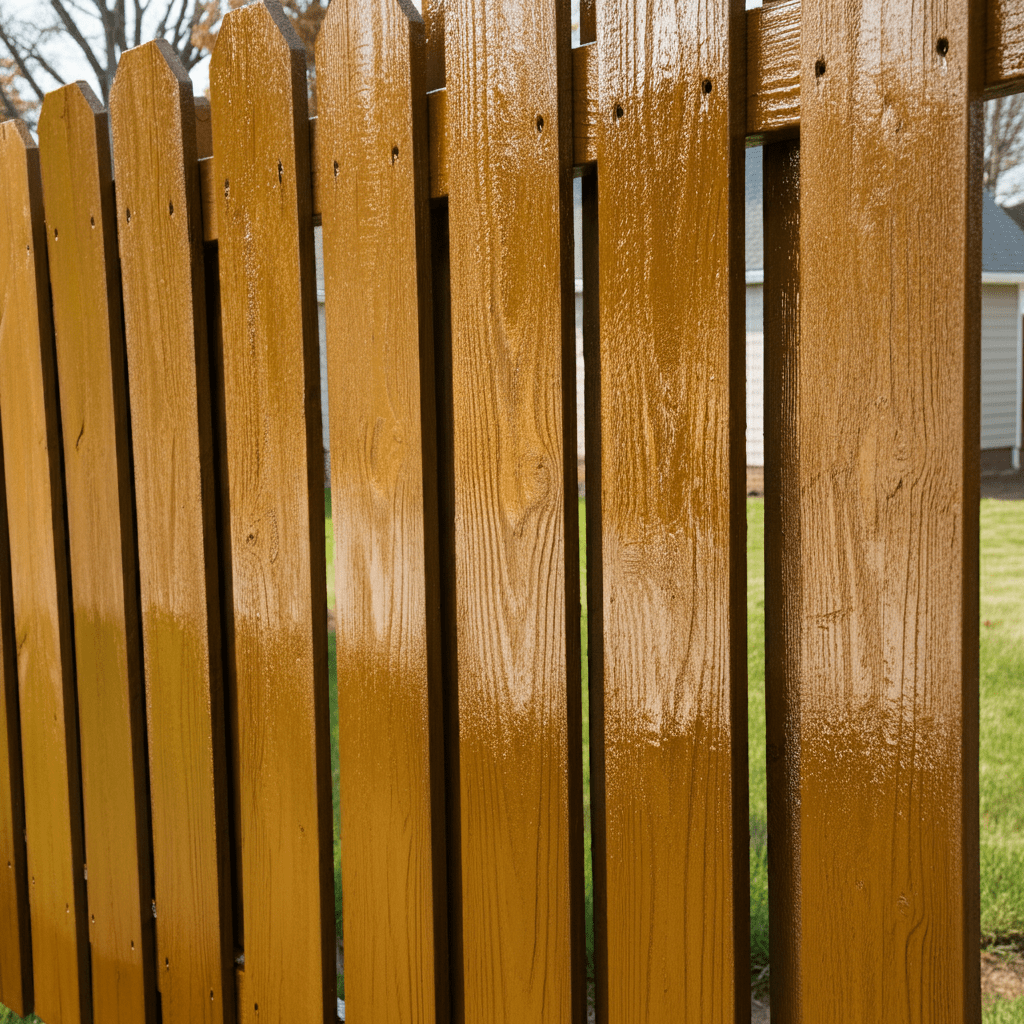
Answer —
1002 307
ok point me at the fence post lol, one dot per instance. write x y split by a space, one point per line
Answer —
887 639
160 239
516 519
373 166
74 145
275 494
40 587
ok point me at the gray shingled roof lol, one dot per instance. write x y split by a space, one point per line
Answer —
1002 240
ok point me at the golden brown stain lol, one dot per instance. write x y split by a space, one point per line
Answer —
275 497
39 578
672 659
86 285
890 222
372 138
508 69
165 333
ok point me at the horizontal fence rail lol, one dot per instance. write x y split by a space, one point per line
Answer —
165 774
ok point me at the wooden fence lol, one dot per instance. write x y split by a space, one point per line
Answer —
165 778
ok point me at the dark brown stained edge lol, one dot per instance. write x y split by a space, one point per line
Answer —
588 21
1004 56
782 566
442 319
422 64
595 586
133 685
58 530
19 944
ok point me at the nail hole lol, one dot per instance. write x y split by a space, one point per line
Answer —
819 68
619 112
394 153
92 918
257 1005
226 188
67 908
942 47
92 222
335 168
706 86
55 234
280 171
133 943
540 123
211 995
167 964
170 209
128 215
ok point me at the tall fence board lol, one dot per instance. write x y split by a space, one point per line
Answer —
16 950
275 495
74 145
890 226
672 530
160 238
372 146
516 543
42 603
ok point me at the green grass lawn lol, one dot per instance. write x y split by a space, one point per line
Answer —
1002 729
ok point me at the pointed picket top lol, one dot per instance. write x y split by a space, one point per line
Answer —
75 159
262 29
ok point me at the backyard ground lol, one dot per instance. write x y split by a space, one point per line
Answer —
1001 770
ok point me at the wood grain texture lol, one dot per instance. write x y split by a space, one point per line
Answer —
782 566
586 107
380 371
16 950
40 588
516 522
672 533
1004 58
889 366
437 118
773 68
85 282
165 328
275 495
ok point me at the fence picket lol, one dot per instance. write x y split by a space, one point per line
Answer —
276 511
40 585
372 136
671 618
16 950
74 149
516 532
889 441
160 237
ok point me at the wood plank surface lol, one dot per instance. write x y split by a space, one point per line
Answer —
380 370
773 68
16 950
276 512
1004 64
887 641
672 510
85 282
40 588
516 521
159 234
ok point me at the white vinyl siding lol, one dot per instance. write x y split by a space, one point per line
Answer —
999 370
755 375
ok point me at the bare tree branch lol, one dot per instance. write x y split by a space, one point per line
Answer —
19 59
10 110
75 34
